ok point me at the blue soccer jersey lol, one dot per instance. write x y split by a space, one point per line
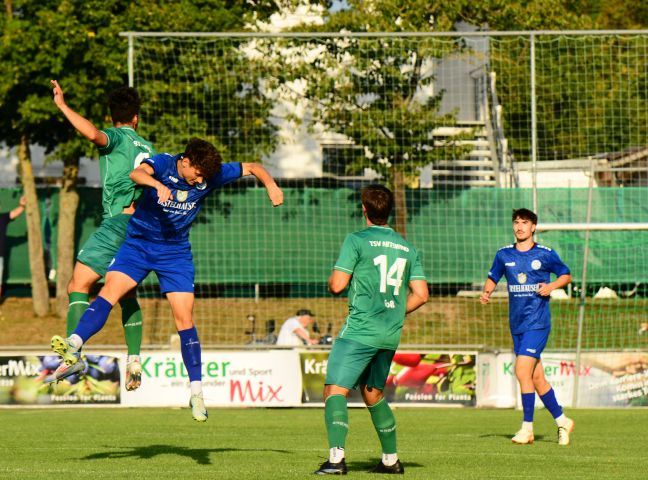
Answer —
170 221
524 271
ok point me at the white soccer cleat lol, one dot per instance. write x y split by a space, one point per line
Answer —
133 375
64 370
198 410
523 436
563 432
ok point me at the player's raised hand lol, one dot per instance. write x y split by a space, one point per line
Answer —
58 94
276 196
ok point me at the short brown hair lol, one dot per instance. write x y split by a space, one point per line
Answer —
204 157
124 104
525 214
378 201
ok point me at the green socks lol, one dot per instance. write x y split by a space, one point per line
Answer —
132 322
336 417
131 318
77 304
385 424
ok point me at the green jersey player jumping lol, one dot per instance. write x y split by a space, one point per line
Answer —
121 149
386 281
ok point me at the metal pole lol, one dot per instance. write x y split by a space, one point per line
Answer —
534 127
510 33
583 293
131 49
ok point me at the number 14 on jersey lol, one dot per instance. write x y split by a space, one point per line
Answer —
390 276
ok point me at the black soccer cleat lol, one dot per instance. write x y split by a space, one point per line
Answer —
328 468
396 468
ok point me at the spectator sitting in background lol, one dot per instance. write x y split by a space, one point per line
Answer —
294 331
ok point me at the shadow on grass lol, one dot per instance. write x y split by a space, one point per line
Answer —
200 455
365 466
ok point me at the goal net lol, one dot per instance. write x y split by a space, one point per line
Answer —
328 114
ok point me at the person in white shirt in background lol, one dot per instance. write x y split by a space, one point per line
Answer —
294 331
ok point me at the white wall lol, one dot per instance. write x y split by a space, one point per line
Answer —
88 168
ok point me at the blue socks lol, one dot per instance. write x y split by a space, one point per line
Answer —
93 319
528 404
191 352
551 404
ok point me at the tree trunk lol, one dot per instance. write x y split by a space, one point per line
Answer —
65 246
40 290
400 203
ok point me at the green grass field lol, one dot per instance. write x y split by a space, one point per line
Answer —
434 443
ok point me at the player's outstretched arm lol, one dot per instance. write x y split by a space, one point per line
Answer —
143 175
418 295
274 192
489 286
83 125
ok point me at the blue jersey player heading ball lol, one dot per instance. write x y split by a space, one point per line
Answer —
527 267
157 240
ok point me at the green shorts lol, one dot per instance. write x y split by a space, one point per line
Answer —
352 363
98 251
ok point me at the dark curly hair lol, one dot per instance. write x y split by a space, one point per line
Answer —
124 104
204 157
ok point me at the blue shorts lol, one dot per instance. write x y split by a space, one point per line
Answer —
531 343
172 263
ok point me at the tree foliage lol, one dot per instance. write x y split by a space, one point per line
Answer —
78 43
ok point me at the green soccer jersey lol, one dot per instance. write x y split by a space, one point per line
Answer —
125 151
381 263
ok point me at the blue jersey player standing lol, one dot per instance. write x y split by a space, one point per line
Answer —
527 267
157 240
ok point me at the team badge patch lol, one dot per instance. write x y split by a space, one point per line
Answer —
522 278
181 195
536 264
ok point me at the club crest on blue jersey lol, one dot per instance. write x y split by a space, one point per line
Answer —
181 195
521 277
536 264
